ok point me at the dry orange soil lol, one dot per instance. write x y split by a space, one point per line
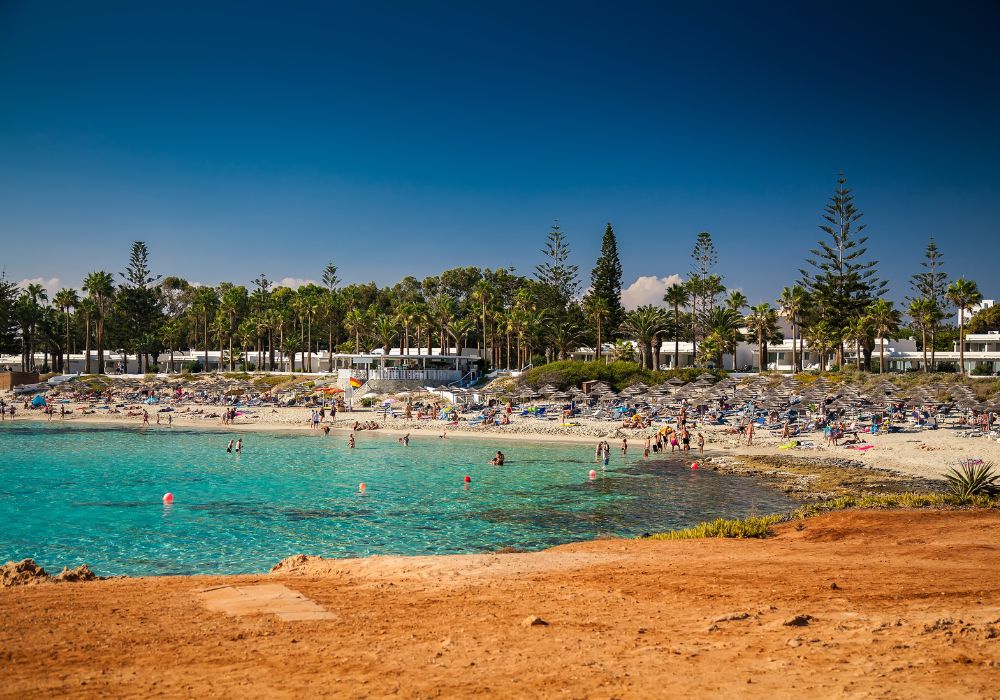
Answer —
892 604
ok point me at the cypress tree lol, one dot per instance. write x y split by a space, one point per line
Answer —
606 281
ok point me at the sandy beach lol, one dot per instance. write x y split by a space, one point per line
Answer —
853 604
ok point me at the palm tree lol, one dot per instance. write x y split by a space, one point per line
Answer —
442 309
922 312
885 320
964 294
66 299
203 306
384 328
642 325
791 302
597 311
101 288
459 329
481 295
355 322
677 296
858 331
248 336
566 333
725 322
762 322
172 334
232 302
88 309
823 338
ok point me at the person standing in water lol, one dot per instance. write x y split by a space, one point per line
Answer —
624 446
239 446
701 444
350 441
229 447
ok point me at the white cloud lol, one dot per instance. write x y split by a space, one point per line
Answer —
51 285
647 289
294 282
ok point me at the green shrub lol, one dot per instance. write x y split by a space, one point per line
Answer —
193 367
755 526
572 373
972 478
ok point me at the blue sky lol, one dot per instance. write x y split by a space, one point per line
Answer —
404 138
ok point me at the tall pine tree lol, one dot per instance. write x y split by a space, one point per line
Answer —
140 307
931 285
606 282
556 273
841 281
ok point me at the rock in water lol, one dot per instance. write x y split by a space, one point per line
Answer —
21 573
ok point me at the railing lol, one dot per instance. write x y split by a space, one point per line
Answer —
422 375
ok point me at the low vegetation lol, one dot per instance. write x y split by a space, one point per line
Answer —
754 526
972 478
760 526
566 374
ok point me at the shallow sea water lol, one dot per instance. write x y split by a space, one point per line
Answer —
70 495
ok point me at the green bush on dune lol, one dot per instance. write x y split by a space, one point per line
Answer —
572 373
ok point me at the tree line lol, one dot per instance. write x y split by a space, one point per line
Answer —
513 320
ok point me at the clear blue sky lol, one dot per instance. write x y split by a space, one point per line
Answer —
403 138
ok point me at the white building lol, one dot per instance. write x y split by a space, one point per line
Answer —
984 304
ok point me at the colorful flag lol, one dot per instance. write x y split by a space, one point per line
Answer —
356 383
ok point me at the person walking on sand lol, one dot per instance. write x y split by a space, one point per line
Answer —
686 440
750 434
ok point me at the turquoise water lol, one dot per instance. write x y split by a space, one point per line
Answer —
70 495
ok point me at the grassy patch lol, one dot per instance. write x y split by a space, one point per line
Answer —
755 526
760 526
896 500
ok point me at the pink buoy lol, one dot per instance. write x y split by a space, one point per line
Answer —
362 487
694 465
593 474
168 498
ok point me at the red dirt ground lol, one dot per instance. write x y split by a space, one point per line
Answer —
900 604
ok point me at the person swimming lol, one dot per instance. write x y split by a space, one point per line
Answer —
405 440
498 460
